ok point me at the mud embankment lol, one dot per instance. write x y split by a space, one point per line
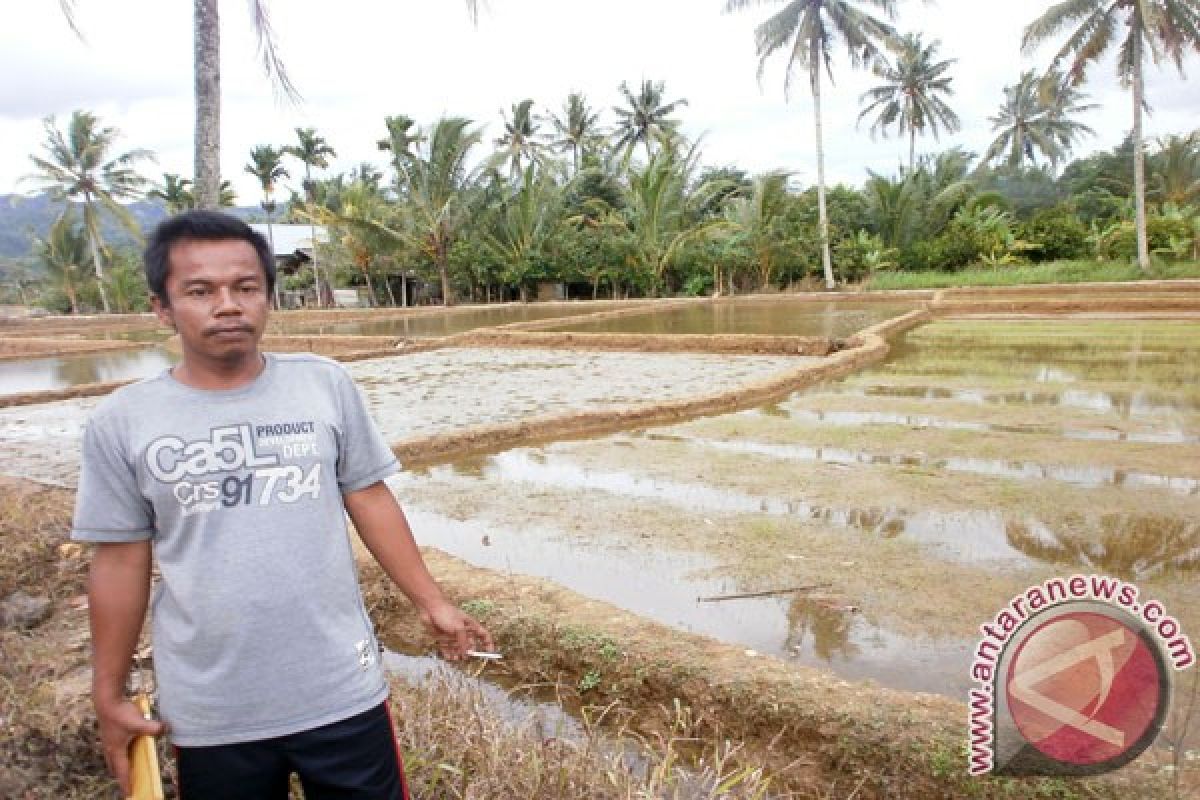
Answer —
57 325
23 348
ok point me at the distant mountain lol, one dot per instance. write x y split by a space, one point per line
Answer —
22 217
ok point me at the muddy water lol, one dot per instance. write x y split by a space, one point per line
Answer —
432 325
978 460
667 585
831 319
549 719
58 372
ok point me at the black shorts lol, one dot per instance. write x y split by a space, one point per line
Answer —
355 758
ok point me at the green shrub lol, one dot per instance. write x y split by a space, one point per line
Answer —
1119 241
1058 233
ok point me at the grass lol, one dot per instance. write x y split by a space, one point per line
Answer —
457 746
1050 272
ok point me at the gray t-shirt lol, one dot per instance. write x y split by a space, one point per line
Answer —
258 624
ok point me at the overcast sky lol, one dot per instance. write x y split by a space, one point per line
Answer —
356 61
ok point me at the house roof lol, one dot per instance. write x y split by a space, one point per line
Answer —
292 238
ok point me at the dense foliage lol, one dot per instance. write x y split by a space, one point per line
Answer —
632 210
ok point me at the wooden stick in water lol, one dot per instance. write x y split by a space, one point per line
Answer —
767 593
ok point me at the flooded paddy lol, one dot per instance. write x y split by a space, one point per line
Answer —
762 317
57 372
909 501
443 323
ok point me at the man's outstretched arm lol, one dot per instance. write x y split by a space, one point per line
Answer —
118 592
384 530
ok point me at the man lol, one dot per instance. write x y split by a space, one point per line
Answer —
234 470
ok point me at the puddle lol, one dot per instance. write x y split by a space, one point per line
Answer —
436 325
665 586
1125 404
967 536
1130 546
828 319
60 372
1084 476
548 719
860 418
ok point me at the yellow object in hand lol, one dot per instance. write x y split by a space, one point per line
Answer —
145 777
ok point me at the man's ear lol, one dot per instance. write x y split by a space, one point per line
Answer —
162 311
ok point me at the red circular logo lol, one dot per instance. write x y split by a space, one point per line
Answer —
1085 688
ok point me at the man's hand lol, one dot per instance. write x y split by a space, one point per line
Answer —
120 722
455 630
384 530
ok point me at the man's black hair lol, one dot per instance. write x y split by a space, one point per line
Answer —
206 226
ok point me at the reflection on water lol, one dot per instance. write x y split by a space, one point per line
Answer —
666 586
1088 476
59 372
969 536
1158 354
434 325
829 319
1130 546
1126 404
858 418
548 719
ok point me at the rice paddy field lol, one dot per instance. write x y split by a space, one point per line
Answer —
833 550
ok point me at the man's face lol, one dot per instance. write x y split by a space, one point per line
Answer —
218 298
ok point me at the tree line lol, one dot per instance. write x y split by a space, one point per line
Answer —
629 208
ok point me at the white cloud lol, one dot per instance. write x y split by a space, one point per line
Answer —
357 61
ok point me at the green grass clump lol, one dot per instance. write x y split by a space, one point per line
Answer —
1050 272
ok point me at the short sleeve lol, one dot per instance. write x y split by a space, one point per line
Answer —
364 457
109 506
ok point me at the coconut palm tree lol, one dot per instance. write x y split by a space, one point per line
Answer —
519 145
577 128
809 31
1037 118
173 192
911 96
78 166
360 224
523 223
1021 126
312 151
435 185
1175 170
755 221
207 79
401 140
63 254
1157 29
266 164
645 117
661 205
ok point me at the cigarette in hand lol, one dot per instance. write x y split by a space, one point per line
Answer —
481 654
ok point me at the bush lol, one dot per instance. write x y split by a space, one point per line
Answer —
958 246
1059 234
1119 241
